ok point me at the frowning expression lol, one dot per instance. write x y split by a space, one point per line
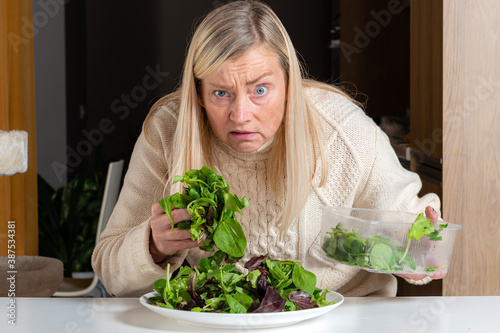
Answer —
245 100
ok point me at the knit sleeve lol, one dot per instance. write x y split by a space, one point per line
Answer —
122 259
364 170
388 185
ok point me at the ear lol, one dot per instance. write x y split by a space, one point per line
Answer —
200 100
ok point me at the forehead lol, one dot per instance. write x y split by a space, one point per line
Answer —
252 64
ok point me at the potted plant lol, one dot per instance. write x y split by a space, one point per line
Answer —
68 220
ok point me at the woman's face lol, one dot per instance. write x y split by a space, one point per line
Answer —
245 100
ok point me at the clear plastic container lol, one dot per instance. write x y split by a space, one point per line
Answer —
377 241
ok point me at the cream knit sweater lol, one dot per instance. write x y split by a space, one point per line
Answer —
364 172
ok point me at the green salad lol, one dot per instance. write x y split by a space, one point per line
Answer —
270 286
379 252
215 285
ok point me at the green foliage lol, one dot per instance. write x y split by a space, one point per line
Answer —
424 227
212 208
67 220
378 252
270 286
216 286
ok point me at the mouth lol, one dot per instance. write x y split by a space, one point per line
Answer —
242 134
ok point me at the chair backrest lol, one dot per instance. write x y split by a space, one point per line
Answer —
110 196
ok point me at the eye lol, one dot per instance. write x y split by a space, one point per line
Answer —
220 93
260 91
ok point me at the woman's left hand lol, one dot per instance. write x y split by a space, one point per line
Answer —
432 215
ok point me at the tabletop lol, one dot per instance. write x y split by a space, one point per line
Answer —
355 314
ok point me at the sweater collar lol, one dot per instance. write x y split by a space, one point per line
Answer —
260 154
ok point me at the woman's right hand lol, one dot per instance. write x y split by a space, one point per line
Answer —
164 241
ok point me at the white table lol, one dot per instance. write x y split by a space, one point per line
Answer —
356 314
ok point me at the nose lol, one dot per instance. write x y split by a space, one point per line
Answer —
241 110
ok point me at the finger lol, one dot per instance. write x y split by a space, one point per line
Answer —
415 277
439 273
161 227
418 277
186 244
171 247
175 235
167 241
180 215
156 209
437 276
431 214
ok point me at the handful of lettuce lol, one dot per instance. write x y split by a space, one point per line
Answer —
212 208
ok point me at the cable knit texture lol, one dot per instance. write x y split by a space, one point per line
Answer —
363 172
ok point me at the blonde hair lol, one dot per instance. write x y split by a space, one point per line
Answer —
227 33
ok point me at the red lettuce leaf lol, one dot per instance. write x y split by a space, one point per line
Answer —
302 300
272 301
255 262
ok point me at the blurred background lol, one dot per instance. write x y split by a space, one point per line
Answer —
89 71
101 65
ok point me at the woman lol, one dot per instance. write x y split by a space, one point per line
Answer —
288 144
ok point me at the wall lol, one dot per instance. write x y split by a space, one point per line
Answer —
471 143
91 59
18 195
455 96
127 41
375 53
50 90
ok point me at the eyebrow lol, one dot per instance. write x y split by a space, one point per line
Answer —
268 73
260 77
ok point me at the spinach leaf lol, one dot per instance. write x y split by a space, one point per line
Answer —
381 257
243 299
253 277
236 307
304 279
230 238
275 268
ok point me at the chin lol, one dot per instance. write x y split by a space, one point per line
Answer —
244 148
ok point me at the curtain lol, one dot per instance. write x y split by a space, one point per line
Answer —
18 193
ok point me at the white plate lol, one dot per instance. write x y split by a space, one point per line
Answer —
243 320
